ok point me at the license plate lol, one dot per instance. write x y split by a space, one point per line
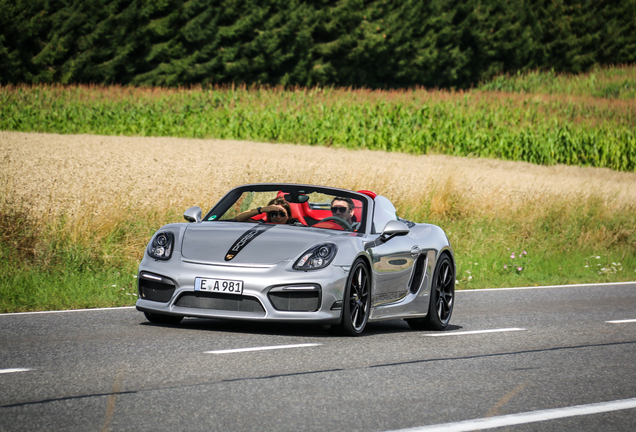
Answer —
223 286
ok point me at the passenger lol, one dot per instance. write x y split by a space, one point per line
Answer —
278 212
342 207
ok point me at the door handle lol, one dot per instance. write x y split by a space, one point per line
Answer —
415 251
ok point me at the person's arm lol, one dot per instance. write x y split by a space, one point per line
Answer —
247 214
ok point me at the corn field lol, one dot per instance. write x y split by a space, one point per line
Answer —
537 128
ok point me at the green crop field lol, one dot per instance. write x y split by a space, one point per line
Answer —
563 127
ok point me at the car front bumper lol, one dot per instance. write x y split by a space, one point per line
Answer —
270 293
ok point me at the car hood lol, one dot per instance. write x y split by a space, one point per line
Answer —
235 243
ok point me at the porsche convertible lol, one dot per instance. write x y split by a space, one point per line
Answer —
299 254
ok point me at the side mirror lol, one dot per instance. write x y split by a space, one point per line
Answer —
193 214
394 228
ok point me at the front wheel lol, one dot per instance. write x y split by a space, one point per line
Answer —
442 299
357 300
163 319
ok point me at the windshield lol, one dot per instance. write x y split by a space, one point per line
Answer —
293 205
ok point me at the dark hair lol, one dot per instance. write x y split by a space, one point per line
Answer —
281 202
349 202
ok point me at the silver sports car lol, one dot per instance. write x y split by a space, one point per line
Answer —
299 253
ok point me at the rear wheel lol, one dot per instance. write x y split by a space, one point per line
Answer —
442 300
162 319
357 300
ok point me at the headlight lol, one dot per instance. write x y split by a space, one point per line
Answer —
317 257
161 246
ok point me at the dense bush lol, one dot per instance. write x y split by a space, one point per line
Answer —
366 43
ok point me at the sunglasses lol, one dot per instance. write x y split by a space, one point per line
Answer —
280 214
338 209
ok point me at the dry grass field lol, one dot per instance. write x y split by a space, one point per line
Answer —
95 200
93 179
93 176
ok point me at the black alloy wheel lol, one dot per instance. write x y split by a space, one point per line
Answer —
442 298
357 300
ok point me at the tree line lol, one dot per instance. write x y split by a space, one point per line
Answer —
359 43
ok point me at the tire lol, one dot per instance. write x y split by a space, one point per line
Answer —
163 319
442 300
357 300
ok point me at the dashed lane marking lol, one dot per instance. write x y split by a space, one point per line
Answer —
264 348
67 311
605 284
527 417
472 332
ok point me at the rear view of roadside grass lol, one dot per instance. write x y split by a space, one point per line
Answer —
76 212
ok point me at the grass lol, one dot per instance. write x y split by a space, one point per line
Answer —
48 268
76 211
550 240
519 259
45 266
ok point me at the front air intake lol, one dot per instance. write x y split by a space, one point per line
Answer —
155 288
289 299
221 302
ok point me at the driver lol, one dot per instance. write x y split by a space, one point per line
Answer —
342 207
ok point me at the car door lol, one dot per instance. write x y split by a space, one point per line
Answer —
392 260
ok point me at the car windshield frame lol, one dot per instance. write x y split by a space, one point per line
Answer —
228 201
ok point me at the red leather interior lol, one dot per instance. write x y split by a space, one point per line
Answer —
309 216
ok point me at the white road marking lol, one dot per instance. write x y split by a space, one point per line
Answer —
527 417
474 332
3 371
621 321
68 310
265 348
546 287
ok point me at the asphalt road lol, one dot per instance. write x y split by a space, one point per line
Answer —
547 355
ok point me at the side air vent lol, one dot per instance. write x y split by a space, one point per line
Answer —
418 273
